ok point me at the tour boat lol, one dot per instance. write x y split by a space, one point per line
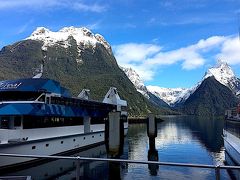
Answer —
39 117
231 136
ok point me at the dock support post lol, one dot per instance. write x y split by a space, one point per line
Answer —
152 152
151 126
86 122
217 172
78 169
114 133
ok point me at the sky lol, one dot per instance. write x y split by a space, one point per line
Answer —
170 43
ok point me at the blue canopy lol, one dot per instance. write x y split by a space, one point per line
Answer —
34 85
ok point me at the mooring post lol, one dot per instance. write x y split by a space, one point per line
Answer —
151 126
152 152
86 122
114 133
217 172
78 168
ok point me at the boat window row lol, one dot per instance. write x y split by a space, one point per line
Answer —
19 96
80 103
31 122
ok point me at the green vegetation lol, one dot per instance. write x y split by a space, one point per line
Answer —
210 99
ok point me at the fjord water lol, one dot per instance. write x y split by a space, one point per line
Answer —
180 139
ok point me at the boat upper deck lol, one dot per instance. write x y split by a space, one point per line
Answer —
45 97
34 85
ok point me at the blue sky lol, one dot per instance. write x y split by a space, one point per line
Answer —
170 43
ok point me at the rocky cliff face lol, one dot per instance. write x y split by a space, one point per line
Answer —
211 98
139 85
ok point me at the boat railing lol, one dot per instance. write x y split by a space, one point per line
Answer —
217 168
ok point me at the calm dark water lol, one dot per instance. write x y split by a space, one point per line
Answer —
179 139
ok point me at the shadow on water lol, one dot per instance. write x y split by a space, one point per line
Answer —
209 132
152 156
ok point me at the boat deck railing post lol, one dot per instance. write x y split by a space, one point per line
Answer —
78 168
217 172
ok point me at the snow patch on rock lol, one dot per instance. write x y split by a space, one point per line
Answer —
136 80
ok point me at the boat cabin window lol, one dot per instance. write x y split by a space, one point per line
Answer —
41 98
17 121
5 122
48 100
10 122
97 120
18 96
124 118
123 108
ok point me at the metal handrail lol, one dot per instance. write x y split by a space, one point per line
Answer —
78 158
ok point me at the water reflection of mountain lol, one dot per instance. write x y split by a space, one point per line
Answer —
209 131
138 141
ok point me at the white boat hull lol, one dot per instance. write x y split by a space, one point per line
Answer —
52 146
232 146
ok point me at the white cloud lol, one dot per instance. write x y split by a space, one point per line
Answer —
230 51
92 8
147 58
26 3
43 4
134 55
132 52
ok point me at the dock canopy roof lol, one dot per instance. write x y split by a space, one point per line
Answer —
34 85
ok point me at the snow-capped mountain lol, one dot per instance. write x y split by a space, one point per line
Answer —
82 36
223 73
136 80
170 95
140 87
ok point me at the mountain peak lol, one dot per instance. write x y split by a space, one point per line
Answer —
83 36
40 31
136 80
222 72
